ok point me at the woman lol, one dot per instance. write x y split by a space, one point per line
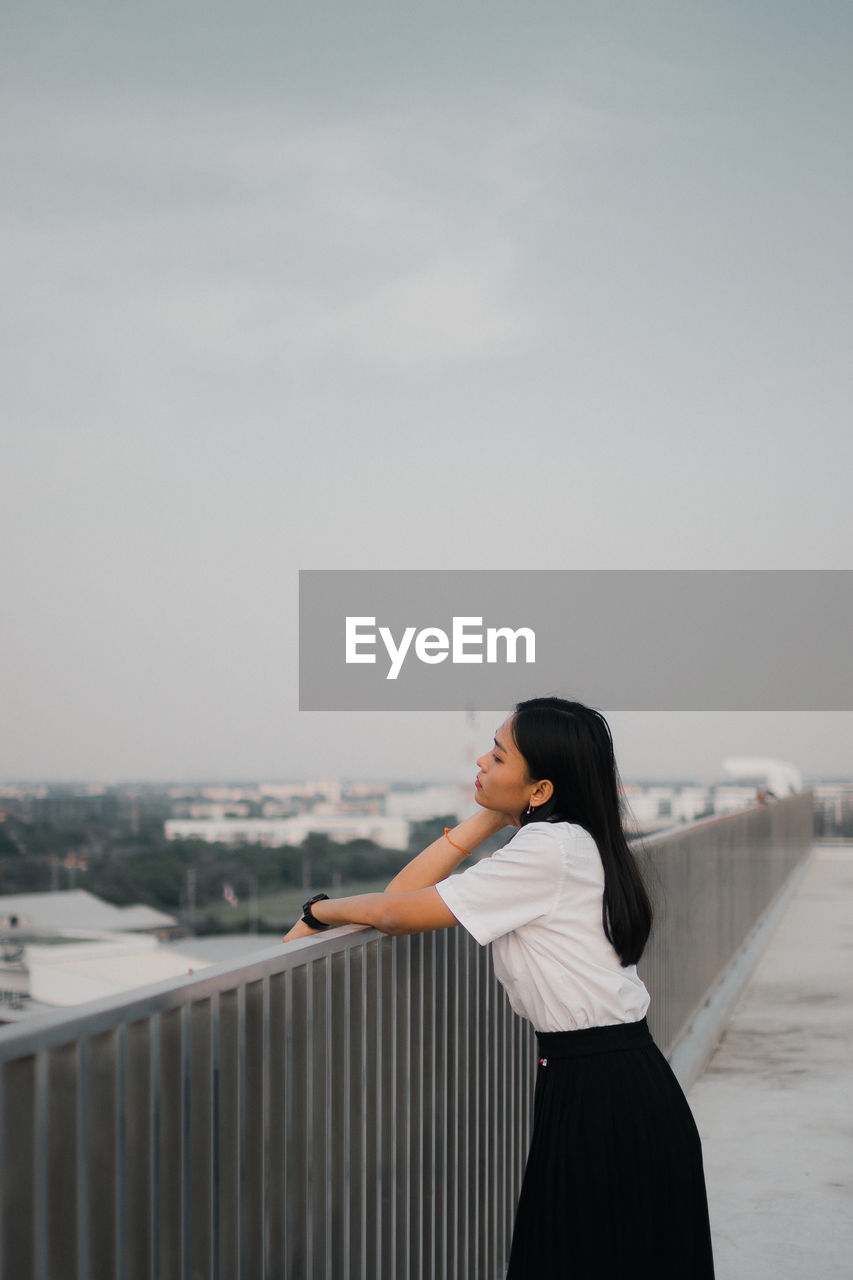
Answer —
614 1183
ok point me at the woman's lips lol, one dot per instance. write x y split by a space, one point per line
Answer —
478 784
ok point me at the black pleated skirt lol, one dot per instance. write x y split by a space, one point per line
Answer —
614 1184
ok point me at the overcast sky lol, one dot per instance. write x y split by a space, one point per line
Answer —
470 285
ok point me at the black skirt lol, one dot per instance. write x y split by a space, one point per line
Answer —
614 1184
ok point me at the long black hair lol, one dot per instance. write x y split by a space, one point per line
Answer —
571 745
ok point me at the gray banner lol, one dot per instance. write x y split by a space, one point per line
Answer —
622 640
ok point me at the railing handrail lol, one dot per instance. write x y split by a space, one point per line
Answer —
47 1030
663 834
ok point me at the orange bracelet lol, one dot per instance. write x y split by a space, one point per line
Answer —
455 845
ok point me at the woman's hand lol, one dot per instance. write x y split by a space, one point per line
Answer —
300 930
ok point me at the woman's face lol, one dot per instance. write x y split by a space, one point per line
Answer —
502 783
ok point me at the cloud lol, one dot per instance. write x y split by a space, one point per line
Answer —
144 248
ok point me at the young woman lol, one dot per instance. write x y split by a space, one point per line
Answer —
614 1183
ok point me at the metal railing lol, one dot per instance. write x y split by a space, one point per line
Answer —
353 1106
712 881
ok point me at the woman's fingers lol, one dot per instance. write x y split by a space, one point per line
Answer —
299 930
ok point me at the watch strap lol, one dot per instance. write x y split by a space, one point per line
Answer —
308 916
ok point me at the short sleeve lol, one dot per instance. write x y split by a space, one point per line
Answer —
514 886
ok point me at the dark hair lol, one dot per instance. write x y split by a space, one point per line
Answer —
571 745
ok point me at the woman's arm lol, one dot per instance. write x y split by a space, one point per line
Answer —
403 912
410 904
441 857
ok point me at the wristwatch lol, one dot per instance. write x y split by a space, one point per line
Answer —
308 916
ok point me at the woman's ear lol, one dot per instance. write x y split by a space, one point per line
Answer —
544 791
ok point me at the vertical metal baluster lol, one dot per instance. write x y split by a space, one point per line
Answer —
448 940
404 945
457 1034
500 1119
391 1037
422 943
491 1111
309 1125
40 1181
329 1195
121 1150
345 1052
463 1059
480 1095
433 1015
288 1210
241 1131
380 1022
364 1134
215 1153
186 1138
492 1157
512 1107
475 1178
265 1126
3 1163
155 1146
81 1170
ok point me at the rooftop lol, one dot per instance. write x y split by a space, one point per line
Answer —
774 1103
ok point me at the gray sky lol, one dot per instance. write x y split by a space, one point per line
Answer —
379 286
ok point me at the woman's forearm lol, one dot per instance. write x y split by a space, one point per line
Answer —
411 903
414 912
439 859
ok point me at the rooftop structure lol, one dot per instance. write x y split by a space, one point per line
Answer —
67 947
78 909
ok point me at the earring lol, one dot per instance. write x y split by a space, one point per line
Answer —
529 809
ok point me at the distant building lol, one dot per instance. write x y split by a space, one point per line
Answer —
652 807
78 909
431 802
67 947
89 968
833 810
217 810
730 798
389 832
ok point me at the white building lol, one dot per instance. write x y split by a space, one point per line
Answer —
67 947
267 831
431 802
778 776
77 909
389 832
655 807
87 968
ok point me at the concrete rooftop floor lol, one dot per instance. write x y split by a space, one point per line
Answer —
775 1104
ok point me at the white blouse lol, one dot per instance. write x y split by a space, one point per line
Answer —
538 901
